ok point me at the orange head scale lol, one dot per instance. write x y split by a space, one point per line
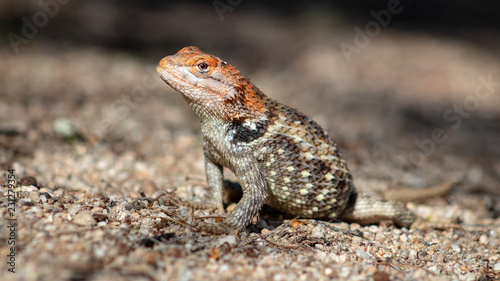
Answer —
210 85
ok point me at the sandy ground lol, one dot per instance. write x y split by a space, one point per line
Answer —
103 150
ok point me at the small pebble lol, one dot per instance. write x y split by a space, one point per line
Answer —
64 127
229 239
404 253
412 255
483 239
363 254
67 198
403 238
84 218
496 267
29 188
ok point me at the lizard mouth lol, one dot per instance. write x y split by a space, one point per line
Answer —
179 78
164 74
169 75
164 71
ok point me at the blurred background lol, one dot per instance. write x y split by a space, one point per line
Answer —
410 90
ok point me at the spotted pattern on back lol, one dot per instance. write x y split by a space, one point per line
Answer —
318 187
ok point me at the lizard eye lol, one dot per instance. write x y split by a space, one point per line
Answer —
203 66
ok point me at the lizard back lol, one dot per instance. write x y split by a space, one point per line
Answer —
305 172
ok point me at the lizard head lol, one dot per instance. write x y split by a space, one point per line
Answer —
210 85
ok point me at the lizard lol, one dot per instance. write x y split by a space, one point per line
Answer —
280 156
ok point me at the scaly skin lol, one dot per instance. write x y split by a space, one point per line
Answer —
280 156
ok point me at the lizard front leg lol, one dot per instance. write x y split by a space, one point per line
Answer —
214 173
215 176
255 193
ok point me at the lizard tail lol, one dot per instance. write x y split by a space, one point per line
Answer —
367 209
